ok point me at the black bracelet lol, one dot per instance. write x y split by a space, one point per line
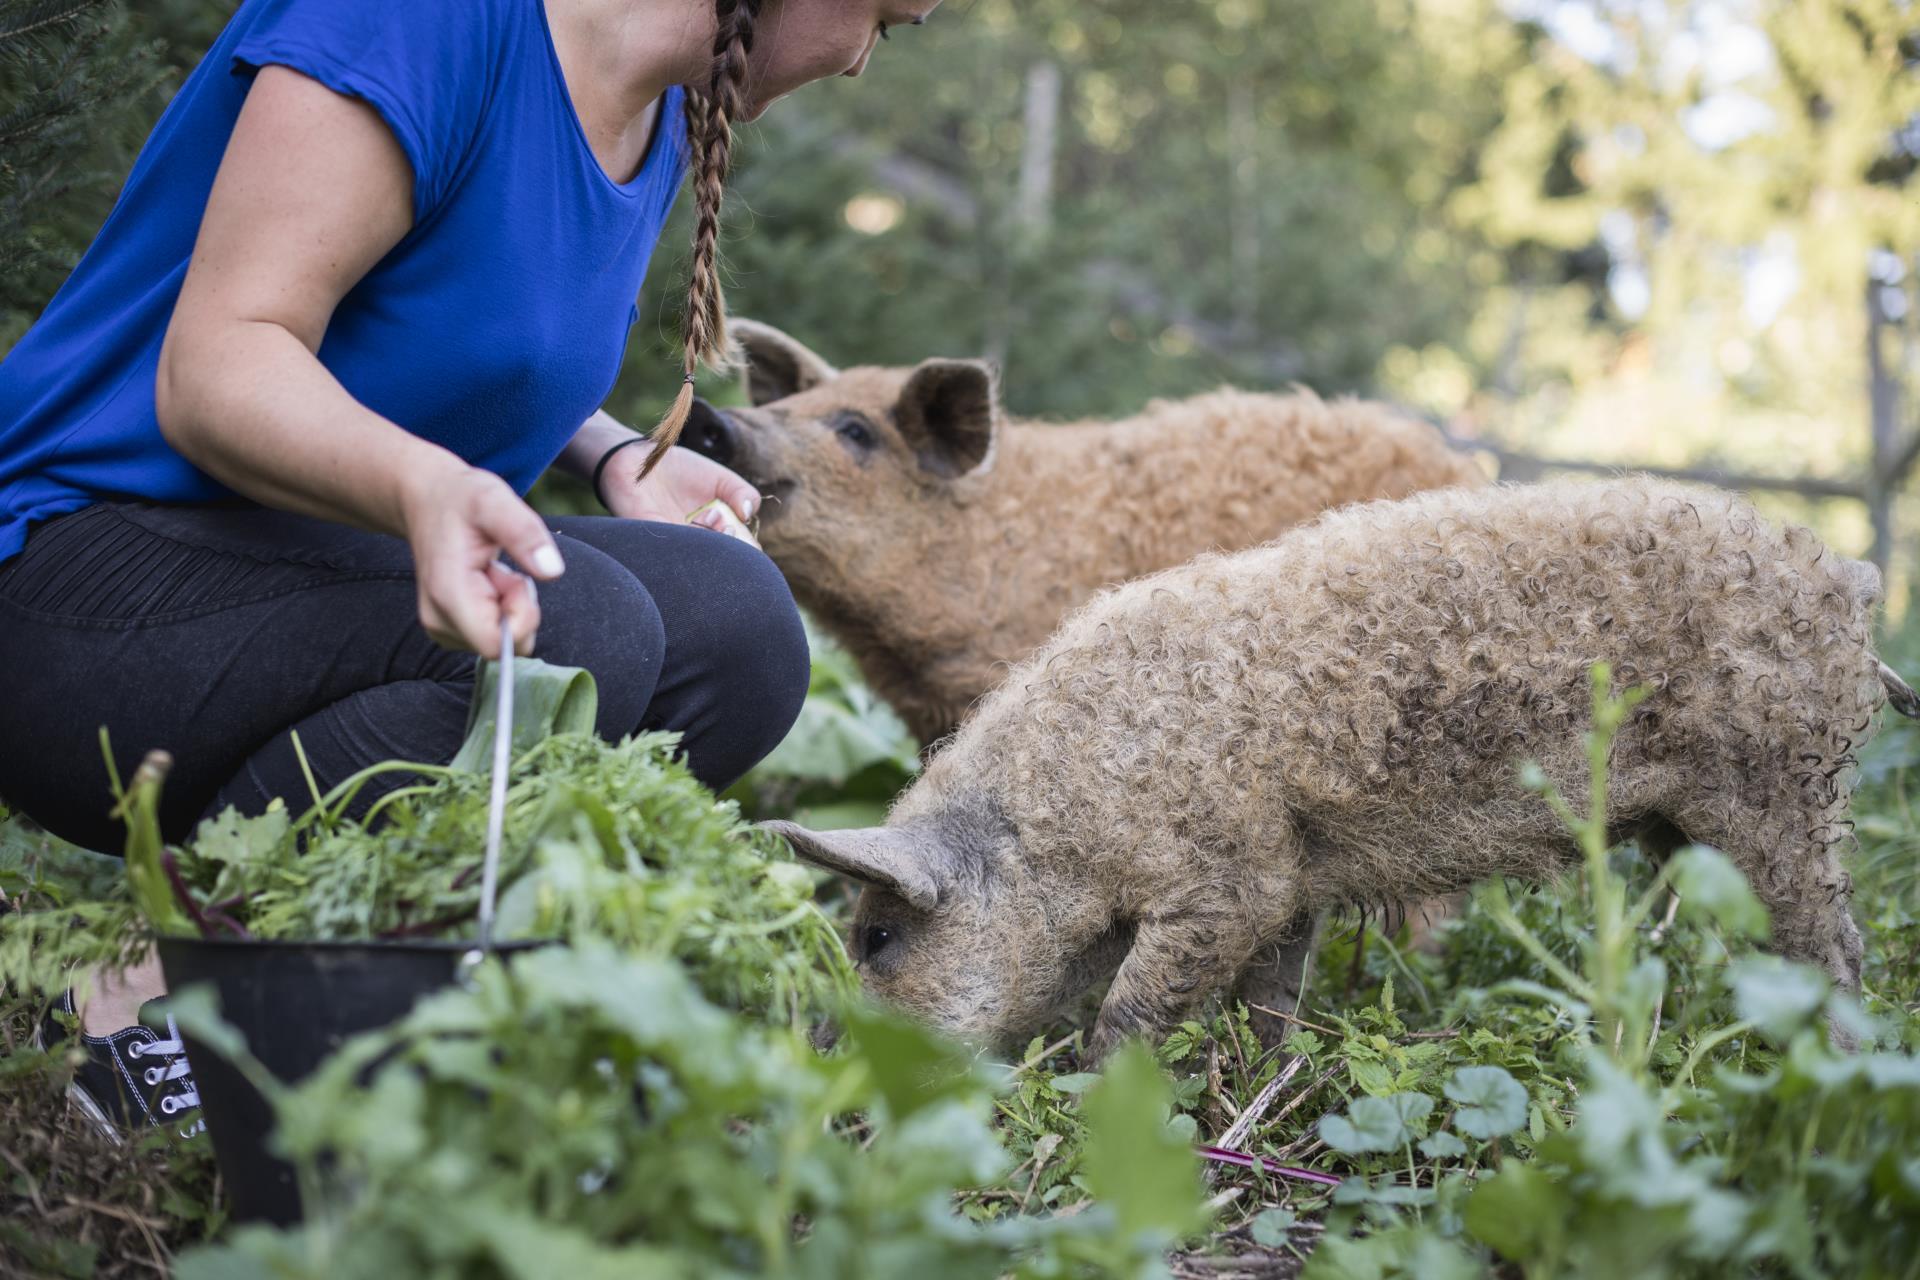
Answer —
600 467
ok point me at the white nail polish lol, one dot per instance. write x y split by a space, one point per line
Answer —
547 561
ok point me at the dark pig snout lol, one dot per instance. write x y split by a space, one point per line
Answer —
712 434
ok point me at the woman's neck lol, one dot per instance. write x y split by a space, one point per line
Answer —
619 56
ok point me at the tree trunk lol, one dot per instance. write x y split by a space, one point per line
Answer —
1883 401
1033 210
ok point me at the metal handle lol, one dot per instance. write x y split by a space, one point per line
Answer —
497 800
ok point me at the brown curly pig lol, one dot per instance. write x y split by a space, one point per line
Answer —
940 540
1201 761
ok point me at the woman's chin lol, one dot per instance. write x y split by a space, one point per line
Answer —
758 108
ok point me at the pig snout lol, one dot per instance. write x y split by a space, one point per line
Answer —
712 434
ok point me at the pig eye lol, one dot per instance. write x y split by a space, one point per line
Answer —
873 941
856 432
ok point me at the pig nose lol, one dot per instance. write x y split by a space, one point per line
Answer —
710 433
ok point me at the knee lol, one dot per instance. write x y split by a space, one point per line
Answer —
756 645
597 616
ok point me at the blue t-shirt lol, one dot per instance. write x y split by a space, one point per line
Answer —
495 327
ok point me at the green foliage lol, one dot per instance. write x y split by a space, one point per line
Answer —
1680 1147
642 1098
843 761
1492 1103
1219 206
587 1112
1143 1171
1377 1124
617 841
67 69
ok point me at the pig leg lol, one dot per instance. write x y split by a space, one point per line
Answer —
1276 981
1790 860
1178 958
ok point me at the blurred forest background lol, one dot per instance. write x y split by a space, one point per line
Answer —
1682 233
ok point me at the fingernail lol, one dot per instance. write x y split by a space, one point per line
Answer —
547 561
753 508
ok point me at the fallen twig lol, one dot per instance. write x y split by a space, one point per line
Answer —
1246 1160
1243 1124
1307 1092
1296 1019
1666 920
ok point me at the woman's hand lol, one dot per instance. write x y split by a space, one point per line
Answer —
682 484
459 523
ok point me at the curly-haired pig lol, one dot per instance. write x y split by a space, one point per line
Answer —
940 540
1200 761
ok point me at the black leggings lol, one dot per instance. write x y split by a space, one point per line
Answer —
216 632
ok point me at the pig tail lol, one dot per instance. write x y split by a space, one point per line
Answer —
710 116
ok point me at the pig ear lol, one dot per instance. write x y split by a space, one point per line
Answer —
777 366
879 856
947 412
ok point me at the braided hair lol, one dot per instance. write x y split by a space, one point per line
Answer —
710 117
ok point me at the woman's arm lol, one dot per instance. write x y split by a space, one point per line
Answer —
682 483
312 192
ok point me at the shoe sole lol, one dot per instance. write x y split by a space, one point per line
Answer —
89 1107
83 1101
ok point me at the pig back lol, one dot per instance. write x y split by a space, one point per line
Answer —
1384 671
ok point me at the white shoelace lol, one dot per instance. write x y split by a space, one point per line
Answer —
174 1050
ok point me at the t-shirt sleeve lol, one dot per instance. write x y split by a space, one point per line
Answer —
426 66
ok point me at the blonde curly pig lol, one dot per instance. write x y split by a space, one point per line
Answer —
1201 761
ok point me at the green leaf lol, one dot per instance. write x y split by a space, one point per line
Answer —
1643 985
546 700
834 739
1147 1176
1076 1082
1711 888
1376 1124
1305 1044
841 817
233 838
1442 1146
1272 1227
1776 995
54 862
1387 1190
1373 1077
1492 1103
912 1066
1516 1212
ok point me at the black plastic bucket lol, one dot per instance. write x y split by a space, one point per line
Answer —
296 1003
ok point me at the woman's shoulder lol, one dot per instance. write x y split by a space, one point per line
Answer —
427 34
431 68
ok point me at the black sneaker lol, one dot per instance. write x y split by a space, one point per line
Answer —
133 1078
